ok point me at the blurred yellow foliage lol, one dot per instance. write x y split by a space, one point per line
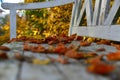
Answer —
4 38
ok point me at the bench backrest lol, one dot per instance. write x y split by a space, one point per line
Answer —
99 20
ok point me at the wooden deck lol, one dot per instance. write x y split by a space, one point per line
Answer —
76 70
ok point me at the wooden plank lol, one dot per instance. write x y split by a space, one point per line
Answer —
104 11
15 47
104 32
53 71
78 72
89 12
38 5
96 12
12 23
77 10
81 14
112 12
93 47
72 18
8 70
38 71
40 56
65 72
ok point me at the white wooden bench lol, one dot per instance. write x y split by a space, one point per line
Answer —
99 21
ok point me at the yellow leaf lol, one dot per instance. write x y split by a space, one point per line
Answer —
90 39
43 62
35 32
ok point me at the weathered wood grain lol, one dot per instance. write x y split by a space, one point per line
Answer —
78 72
75 70
8 70
15 47
39 71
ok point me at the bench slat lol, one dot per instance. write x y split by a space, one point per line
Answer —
38 71
112 12
105 32
8 70
78 72
47 4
